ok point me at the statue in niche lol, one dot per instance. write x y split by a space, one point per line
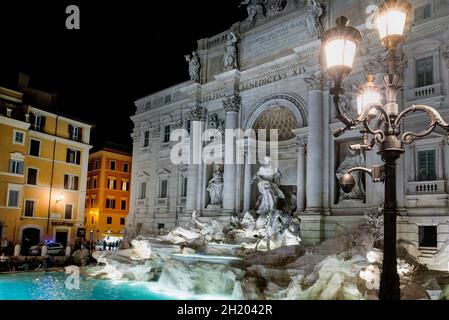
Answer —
313 20
352 160
268 179
255 9
230 56
216 124
215 187
194 66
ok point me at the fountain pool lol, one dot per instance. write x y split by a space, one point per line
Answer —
52 286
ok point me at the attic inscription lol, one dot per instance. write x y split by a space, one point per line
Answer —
287 35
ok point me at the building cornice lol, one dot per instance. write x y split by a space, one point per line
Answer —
14 123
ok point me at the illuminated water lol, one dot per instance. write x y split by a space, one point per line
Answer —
52 286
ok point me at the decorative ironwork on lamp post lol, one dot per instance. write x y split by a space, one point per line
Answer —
381 122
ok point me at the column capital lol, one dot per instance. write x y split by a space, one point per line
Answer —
198 114
445 53
315 81
232 104
302 142
135 135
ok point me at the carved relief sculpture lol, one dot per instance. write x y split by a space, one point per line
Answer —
230 56
194 66
352 160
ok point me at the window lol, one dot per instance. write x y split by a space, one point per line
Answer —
75 133
13 198
112 184
163 190
123 205
428 236
167 131
88 184
167 99
92 221
92 202
423 13
184 187
16 166
427 165
109 220
122 221
35 148
424 72
97 164
68 211
32 176
73 156
110 203
146 139
19 137
125 185
112 165
37 123
94 183
29 208
71 182
148 106
125 167
143 191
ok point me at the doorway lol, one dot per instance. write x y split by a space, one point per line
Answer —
61 237
33 235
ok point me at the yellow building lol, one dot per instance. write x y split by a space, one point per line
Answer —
43 171
108 194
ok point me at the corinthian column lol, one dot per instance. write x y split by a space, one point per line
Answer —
232 108
315 161
198 117
249 161
301 176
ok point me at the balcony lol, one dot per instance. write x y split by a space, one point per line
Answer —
427 187
428 194
432 92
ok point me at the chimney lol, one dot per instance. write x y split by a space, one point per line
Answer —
24 80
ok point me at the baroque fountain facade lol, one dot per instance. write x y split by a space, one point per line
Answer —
279 226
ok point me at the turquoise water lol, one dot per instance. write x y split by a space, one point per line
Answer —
52 286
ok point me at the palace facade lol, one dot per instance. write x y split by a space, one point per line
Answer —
270 79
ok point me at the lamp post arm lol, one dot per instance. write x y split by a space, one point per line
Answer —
436 120
366 170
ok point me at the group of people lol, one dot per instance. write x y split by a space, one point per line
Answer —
12 264
109 246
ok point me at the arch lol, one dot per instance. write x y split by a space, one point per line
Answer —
30 226
289 101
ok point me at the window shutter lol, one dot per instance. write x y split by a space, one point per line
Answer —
78 157
80 134
68 155
70 131
32 121
21 167
66 182
11 163
43 123
76 183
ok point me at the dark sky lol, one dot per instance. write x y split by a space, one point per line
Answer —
124 51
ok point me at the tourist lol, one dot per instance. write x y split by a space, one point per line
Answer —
5 245
26 247
104 245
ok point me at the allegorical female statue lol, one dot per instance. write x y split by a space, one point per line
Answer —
255 9
314 13
354 159
215 187
268 179
230 56
194 66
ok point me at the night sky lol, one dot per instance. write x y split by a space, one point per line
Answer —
124 51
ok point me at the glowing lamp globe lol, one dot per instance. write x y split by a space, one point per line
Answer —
391 19
368 95
340 45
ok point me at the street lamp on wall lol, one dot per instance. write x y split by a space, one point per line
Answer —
339 46
60 198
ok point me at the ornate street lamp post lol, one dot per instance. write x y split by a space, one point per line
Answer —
381 122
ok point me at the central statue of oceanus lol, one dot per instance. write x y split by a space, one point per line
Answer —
268 179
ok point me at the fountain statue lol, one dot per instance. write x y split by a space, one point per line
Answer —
268 179
215 188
